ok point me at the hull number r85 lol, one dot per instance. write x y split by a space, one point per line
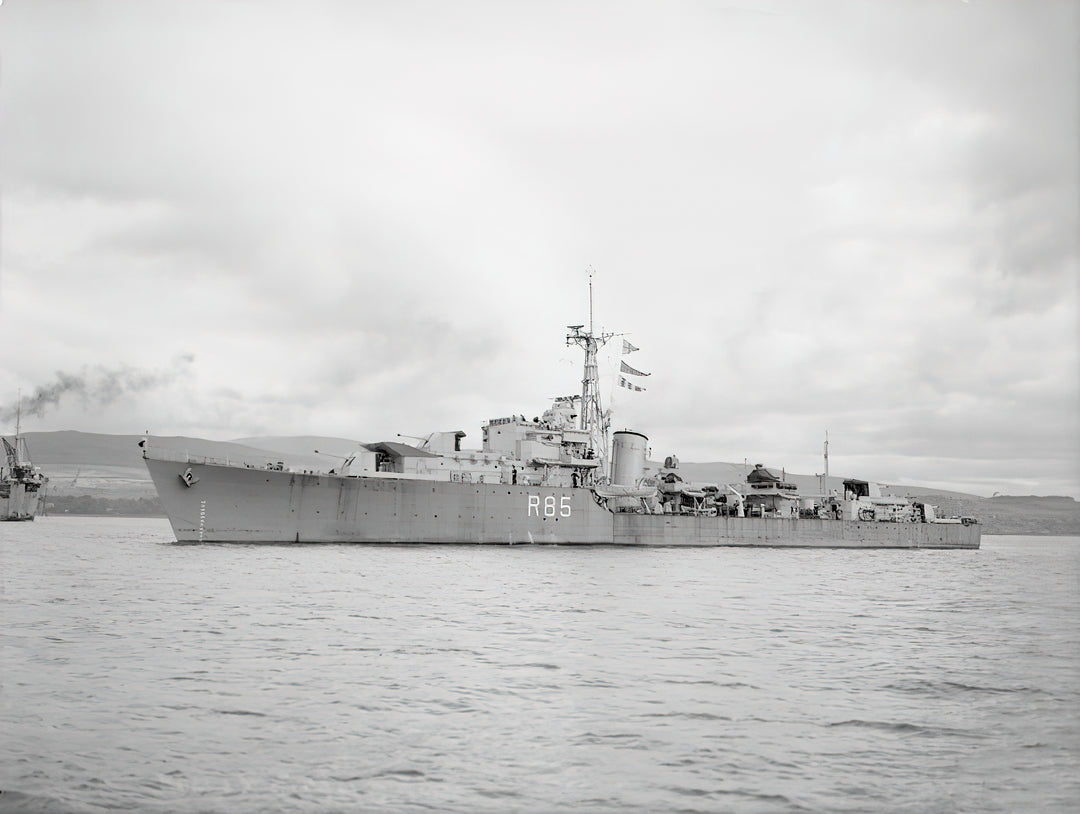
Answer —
548 506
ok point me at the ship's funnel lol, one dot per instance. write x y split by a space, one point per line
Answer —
628 450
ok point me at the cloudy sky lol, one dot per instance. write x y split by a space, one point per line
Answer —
355 219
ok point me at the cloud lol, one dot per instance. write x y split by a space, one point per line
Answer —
366 219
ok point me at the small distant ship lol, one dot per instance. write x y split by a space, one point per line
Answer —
548 480
22 485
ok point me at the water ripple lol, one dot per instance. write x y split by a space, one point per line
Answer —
144 676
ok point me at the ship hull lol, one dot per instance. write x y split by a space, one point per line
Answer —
19 503
209 502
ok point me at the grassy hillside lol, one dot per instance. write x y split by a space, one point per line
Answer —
96 473
1023 515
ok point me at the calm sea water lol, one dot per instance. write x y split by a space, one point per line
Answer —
138 674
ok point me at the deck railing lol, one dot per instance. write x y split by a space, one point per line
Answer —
164 454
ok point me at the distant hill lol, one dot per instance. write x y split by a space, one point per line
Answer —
1001 514
719 473
109 468
71 448
1013 514
304 445
89 448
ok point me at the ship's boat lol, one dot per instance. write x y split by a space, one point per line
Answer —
557 478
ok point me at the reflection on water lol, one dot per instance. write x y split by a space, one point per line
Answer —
140 674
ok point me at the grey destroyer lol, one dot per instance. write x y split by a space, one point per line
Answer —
559 478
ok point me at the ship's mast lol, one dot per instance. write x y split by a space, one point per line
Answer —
826 489
591 418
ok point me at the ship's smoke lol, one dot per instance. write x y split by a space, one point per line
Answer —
94 386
